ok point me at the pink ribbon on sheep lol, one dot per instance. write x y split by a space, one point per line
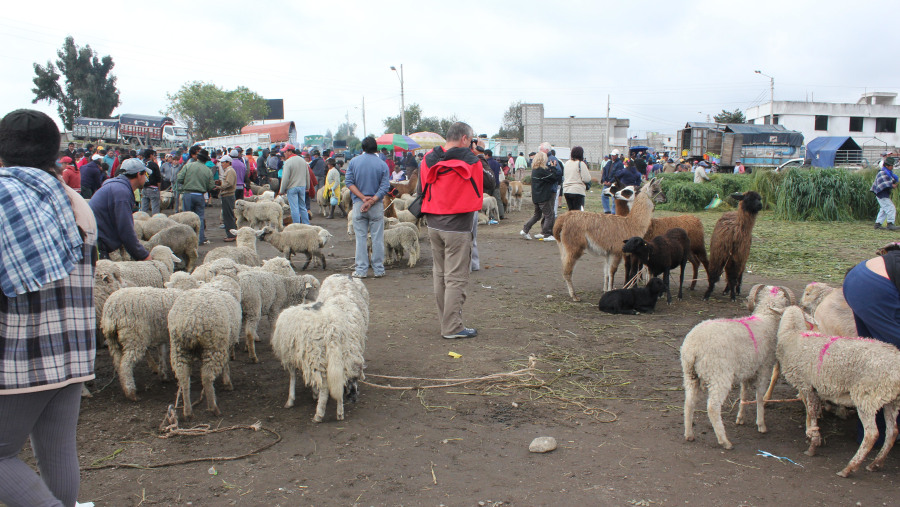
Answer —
744 321
830 342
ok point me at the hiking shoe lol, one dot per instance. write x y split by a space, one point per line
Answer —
538 236
358 275
466 332
878 226
892 227
549 238
525 235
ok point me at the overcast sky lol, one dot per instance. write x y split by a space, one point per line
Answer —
662 62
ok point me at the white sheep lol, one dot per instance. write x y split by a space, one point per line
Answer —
134 320
489 207
183 241
205 321
258 214
139 216
830 310
145 229
297 240
188 218
483 219
718 353
400 241
244 250
848 371
152 273
107 279
326 341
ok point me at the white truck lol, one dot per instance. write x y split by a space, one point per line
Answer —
242 140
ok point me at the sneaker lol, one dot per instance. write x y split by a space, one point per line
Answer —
205 242
222 226
538 236
358 275
466 332
525 235
549 238
379 275
892 227
493 222
878 226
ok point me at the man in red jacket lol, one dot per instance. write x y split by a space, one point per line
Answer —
451 181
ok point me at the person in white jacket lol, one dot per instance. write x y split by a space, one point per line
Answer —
576 178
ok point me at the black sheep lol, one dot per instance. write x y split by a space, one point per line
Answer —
634 300
662 254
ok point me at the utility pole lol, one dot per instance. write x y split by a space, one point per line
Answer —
606 141
402 100
364 116
771 96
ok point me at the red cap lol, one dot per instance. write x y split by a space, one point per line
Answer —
288 147
66 160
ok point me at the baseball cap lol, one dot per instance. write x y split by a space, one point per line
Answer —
288 147
133 166
234 153
66 160
226 158
96 156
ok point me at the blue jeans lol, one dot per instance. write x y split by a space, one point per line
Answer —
150 200
297 202
604 200
364 223
195 202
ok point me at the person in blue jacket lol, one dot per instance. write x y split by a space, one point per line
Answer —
112 209
629 175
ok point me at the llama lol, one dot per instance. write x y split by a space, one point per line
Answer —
729 247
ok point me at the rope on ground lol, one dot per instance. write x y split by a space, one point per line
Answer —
753 402
170 429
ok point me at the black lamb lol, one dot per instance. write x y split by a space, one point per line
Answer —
634 300
662 254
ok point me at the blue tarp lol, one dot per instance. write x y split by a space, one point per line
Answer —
821 151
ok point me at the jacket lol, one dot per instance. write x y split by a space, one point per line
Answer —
454 179
575 176
195 177
115 225
543 182
628 176
91 179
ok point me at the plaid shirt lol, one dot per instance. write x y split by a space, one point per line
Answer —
883 180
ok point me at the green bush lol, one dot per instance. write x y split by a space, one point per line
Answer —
825 195
682 194
765 182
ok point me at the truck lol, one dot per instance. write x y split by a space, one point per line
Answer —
134 129
242 140
725 144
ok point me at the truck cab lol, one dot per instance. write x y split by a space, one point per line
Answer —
175 135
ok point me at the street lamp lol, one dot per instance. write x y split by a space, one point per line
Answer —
402 102
771 96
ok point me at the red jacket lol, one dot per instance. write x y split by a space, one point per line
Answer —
454 182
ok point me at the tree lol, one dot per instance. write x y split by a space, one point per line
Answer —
512 126
415 122
347 132
89 88
209 111
735 116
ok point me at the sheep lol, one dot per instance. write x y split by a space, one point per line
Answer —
207 321
848 371
323 233
243 251
577 231
489 207
400 204
257 189
152 273
306 241
262 294
399 241
139 216
166 198
516 191
718 353
660 225
183 281
107 279
633 300
183 241
829 309
325 340
482 219
662 254
147 228
187 218
258 214
134 320
322 201
730 244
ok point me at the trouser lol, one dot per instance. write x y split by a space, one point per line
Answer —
452 253
194 201
476 262
608 207
575 202
366 223
500 207
545 210
238 193
886 210
228 214
297 202
49 418
150 200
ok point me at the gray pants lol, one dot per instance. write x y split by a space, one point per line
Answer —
476 261
228 214
49 418
365 223
500 208
545 210
150 200
452 252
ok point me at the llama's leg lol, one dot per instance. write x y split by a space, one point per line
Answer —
614 266
717 395
871 435
691 392
696 264
890 435
292 389
569 258
745 388
713 277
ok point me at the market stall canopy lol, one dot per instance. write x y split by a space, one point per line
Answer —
396 142
832 151
428 140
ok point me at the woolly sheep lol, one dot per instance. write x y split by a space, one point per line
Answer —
183 241
139 216
244 249
399 241
293 241
147 228
166 198
729 247
205 321
482 219
107 280
152 273
326 341
257 189
258 214
489 207
718 353
829 309
188 218
183 281
848 371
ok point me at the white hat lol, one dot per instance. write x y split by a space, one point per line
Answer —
226 158
96 156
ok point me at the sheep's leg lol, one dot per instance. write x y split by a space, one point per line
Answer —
340 406
871 435
691 393
226 377
308 260
813 407
181 367
569 258
323 402
163 351
761 387
250 334
212 364
292 388
717 395
890 435
776 371
322 258
126 372
745 387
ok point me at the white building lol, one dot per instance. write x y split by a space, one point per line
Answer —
871 121
589 133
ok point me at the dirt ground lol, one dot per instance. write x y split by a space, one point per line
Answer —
608 388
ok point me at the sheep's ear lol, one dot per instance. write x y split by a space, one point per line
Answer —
175 258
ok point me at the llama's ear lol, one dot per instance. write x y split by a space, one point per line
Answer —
737 196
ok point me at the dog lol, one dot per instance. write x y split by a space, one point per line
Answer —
634 300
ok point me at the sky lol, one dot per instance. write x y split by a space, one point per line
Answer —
661 63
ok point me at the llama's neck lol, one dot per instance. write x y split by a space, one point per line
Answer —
746 220
638 219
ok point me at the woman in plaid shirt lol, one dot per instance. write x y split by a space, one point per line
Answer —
47 345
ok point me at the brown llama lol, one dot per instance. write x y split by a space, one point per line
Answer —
729 247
